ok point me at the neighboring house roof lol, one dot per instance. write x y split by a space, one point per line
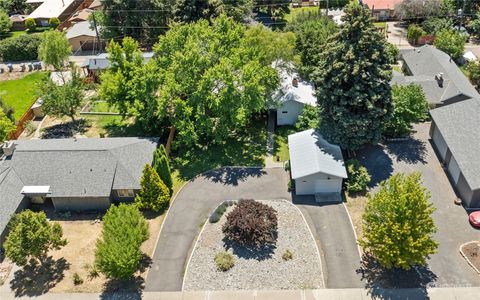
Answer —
51 8
425 63
18 18
101 62
381 4
80 29
81 15
311 154
304 92
459 124
95 4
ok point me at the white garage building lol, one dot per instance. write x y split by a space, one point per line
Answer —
293 94
316 165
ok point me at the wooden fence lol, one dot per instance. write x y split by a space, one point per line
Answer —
27 116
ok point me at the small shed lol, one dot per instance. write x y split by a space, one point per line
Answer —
316 165
292 96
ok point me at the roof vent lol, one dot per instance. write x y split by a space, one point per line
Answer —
8 148
439 79
295 82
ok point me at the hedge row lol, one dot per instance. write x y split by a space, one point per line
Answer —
23 47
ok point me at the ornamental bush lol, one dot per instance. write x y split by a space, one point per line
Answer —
224 261
23 47
414 32
251 223
53 22
358 177
30 24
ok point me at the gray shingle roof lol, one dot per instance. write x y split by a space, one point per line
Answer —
311 154
459 124
427 61
10 197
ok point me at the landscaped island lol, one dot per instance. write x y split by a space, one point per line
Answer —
292 261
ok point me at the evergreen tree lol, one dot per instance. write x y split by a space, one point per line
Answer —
397 223
118 251
154 194
161 164
352 78
31 237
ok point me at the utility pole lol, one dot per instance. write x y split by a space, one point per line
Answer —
96 33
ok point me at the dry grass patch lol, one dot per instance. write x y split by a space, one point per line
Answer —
356 206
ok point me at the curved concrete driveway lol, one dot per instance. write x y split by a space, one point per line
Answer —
191 208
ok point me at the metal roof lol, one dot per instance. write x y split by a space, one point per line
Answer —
304 92
80 29
50 8
459 124
311 154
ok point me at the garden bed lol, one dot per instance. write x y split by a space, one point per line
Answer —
265 269
471 252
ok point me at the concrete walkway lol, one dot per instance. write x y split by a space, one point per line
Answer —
325 294
331 226
191 208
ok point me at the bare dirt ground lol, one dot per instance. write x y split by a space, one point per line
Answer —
356 206
81 232
472 253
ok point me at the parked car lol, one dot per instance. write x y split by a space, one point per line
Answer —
474 219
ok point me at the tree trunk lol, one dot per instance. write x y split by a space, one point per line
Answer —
170 140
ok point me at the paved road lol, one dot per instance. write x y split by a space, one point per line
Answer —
331 226
191 209
447 268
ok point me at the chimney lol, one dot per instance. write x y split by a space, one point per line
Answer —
439 79
8 148
295 82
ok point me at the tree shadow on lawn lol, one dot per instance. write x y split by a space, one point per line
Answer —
66 130
244 149
379 281
36 279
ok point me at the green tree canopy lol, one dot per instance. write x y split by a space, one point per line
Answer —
54 49
63 100
211 80
161 164
410 105
312 29
6 126
397 223
5 22
14 6
31 236
154 194
118 251
473 71
414 32
352 80
193 10
451 42
276 9
310 118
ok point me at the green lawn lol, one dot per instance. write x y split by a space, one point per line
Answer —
14 34
296 11
113 126
244 149
21 93
102 106
280 147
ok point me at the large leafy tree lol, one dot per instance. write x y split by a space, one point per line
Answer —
14 6
143 20
66 99
352 79
451 42
410 105
6 126
397 223
54 49
419 9
211 81
274 8
118 251
31 236
154 194
312 30
194 10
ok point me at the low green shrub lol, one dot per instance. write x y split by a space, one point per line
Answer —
287 255
77 280
30 24
224 261
358 177
23 47
53 22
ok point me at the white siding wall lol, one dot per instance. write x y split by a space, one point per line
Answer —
454 169
440 143
288 112
318 183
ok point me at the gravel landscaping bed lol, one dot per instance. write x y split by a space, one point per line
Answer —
258 270
471 252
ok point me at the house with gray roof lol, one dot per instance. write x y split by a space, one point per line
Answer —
439 76
74 174
455 132
316 166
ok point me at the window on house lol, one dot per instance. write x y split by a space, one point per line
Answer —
284 112
125 193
